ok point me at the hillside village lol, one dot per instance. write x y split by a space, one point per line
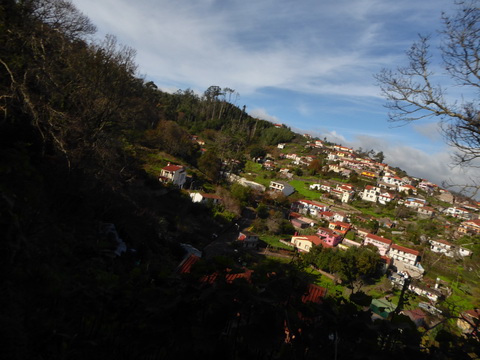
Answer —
334 197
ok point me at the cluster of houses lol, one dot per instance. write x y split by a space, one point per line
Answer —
386 187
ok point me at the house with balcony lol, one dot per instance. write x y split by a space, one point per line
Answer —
392 180
385 197
175 174
442 247
381 243
310 207
470 227
329 237
403 254
370 193
339 227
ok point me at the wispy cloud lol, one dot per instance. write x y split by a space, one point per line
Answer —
323 48
262 114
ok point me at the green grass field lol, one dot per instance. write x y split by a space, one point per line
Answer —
304 190
273 240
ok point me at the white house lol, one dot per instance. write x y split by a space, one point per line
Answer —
385 197
442 247
175 174
283 187
370 193
392 180
312 207
407 188
305 243
450 250
381 243
204 198
403 254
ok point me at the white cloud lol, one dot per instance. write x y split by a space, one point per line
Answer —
262 114
430 130
312 47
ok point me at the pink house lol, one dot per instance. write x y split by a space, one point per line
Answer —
329 237
339 227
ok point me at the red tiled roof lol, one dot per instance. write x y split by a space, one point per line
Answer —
186 265
229 278
327 213
312 203
247 275
476 222
312 238
172 168
442 242
314 294
379 238
294 214
405 249
341 224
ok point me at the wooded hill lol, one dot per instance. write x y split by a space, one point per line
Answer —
75 119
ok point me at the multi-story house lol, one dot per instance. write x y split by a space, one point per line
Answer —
442 247
403 254
470 227
392 180
311 207
385 197
381 243
370 193
329 237
175 174
339 227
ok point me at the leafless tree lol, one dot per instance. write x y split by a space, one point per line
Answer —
414 92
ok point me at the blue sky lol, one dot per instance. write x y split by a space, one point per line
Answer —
306 63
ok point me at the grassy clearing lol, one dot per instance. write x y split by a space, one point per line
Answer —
303 189
274 241
325 282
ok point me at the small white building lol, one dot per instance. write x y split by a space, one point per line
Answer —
175 174
283 187
204 198
305 243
